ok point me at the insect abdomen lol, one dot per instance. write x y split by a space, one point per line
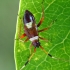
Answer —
28 17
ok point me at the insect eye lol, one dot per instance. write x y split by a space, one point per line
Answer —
38 44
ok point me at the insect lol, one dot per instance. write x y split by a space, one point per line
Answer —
32 33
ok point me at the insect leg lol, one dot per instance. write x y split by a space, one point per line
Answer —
22 36
43 39
42 18
24 40
29 59
47 27
43 29
19 32
31 48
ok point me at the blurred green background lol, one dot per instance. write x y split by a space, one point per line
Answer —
8 17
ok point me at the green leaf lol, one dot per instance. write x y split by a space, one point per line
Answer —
58 36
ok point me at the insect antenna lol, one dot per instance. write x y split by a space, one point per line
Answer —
53 56
28 59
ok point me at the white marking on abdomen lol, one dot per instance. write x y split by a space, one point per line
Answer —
29 25
33 38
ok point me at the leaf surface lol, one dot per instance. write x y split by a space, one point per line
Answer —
58 36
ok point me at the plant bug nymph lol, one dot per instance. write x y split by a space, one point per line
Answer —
30 28
32 33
